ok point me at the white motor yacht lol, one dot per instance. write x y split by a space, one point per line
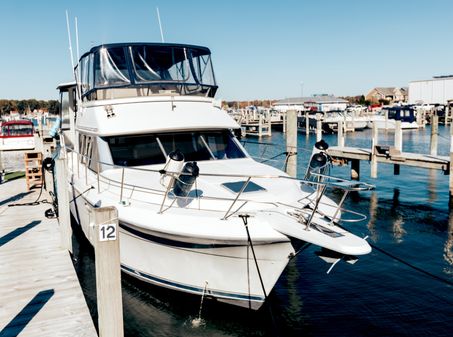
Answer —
197 214
388 116
17 135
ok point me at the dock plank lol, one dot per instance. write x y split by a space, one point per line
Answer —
40 294
403 158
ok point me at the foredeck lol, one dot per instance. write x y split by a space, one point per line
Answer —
40 294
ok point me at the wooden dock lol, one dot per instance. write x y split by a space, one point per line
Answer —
389 155
40 294
394 155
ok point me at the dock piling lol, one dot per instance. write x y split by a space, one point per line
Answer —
374 140
318 127
64 217
398 144
291 143
108 272
340 134
434 135
307 123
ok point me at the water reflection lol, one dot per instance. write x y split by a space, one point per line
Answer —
397 226
448 248
432 194
373 215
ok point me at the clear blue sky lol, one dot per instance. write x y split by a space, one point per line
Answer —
261 49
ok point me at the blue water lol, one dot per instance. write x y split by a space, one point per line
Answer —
408 216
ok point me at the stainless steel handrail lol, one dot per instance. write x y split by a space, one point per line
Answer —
323 182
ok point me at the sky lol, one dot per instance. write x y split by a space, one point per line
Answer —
264 49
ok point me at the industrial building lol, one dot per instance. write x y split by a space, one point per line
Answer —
438 90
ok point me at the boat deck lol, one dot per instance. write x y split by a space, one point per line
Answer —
39 290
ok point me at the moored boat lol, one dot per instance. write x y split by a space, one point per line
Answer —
17 135
197 214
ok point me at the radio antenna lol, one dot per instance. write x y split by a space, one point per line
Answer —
70 41
160 25
77 39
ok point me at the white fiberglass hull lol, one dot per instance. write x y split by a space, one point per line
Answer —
191 247
390 124
17 143
223 270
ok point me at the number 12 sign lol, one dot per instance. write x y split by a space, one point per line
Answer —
107 232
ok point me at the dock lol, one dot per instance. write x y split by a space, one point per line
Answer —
39 290
342 155
388 155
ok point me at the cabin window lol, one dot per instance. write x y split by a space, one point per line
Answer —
135 150
139 150
110 67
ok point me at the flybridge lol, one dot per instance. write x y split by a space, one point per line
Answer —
143 69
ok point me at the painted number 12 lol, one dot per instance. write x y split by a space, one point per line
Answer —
107 232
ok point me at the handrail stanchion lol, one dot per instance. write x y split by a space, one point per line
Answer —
340 204
237 197
98 180
122 185
78 166
321 190
86 171
165 196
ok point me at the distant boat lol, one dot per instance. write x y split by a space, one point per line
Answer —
405 114
17 135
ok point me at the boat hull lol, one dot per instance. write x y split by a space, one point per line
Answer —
225 271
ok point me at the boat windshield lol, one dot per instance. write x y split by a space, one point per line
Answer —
17 130
183 69
137 150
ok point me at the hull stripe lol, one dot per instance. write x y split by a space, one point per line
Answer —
192 289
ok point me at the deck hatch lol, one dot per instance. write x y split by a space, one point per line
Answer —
236 186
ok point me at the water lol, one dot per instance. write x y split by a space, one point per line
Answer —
378 296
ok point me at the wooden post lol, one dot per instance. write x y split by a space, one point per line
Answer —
108 272
318 127
434 135
398 144
447 111
291 143
307 123
340 134
269 125
374 140
398 136
284 121
260 125
64 216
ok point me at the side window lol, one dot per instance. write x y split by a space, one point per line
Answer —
86 148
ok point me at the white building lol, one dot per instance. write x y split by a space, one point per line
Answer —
322 103
438 90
